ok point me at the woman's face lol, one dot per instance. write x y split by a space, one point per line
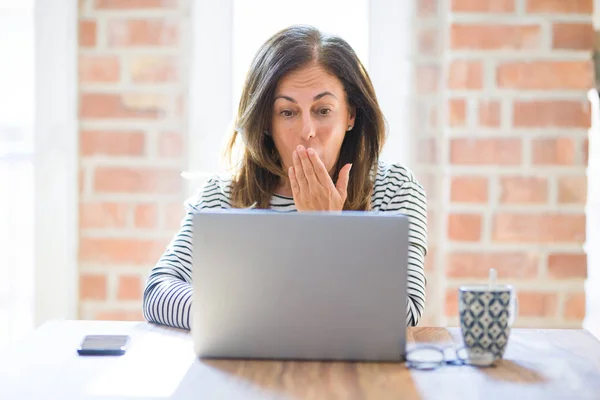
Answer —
310 109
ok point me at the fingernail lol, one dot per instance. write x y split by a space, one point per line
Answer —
311 151
349 169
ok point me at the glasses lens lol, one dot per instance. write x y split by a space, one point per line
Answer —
424 358
476 358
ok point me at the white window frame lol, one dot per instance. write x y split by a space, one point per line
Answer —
56 160
211 115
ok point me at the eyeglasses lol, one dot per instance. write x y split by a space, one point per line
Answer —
431 357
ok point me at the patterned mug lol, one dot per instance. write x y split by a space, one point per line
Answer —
486 315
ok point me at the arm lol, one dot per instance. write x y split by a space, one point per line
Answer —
410 199
168 293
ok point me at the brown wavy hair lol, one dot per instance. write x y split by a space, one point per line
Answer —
259 171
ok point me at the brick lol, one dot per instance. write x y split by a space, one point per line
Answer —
575 307
433 117
451 303
107 105
153 69
134 4
573 36
585 147
427 7
142 32
495 37
491 6
489 113
551 113
426 150
539 228
129 287
112 143
429 183
180 106
430 261
432 221
120 315
523 190
537 304
103 215
82 175
545 75
457 112
485 151
464 227
469 189
509 265
174 213
565 266
98 69
170 145
127 251
92 286
558 151
427 41
87 33
572 189
137 180
427 78
560 6
145 216
419 109
464 74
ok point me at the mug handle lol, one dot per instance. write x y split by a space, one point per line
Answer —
514 307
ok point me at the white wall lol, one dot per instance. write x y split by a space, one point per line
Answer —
592 246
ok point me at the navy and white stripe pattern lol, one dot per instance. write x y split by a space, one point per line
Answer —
168 293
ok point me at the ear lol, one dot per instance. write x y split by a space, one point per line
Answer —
351 115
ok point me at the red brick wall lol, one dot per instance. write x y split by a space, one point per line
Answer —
500 121
132 133
503 152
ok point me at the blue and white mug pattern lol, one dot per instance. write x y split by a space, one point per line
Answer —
486 316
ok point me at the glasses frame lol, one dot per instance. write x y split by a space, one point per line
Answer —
460 357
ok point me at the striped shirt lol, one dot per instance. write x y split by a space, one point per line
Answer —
168 292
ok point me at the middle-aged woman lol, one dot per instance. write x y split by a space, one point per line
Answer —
310 132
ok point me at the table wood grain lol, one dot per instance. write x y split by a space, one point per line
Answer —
539 363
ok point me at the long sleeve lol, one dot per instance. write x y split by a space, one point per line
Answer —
410 199
168 293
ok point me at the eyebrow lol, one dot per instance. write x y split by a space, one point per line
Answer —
317 97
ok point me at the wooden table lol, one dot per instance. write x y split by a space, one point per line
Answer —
538 364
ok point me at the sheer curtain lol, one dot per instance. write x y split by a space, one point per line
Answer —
16 169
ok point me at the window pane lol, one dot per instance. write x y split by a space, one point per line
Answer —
16 170
349 19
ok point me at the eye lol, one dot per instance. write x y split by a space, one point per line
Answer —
324 111
286 113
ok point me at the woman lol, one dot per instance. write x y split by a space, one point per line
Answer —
311 132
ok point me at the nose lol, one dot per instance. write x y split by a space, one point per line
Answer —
308 128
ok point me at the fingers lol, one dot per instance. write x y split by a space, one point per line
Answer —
299 173
320 169
307 166
343 179
293 182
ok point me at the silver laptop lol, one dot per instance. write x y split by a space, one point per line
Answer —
300 286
